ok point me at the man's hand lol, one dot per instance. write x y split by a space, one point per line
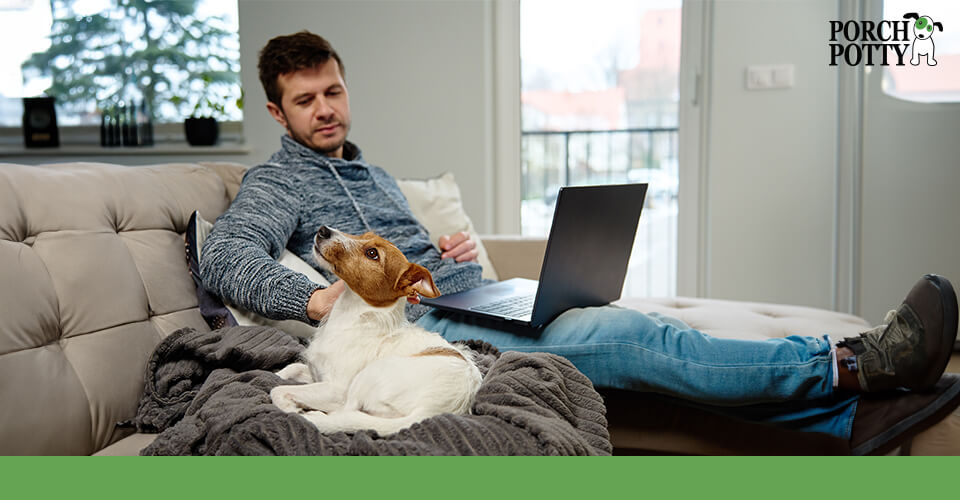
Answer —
459 246
322 300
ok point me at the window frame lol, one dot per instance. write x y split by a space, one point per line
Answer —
166 134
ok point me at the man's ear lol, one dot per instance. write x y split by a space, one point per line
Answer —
416 279
277 114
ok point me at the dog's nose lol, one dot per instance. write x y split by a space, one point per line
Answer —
323 233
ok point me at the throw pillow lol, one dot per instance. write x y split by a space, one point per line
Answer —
211 307
437 204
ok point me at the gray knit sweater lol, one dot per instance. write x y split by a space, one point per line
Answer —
283 202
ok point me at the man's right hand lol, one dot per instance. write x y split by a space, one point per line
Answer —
322 300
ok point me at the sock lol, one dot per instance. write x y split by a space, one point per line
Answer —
836 371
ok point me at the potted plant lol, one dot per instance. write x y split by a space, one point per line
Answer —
201 127
202 131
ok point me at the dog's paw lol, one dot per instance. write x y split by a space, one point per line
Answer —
298 372
317 418
285 400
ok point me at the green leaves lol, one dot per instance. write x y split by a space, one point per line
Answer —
158 51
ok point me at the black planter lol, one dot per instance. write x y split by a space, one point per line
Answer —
201 131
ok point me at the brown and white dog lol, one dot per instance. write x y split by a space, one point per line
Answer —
367 367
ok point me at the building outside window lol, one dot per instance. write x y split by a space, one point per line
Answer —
925 82
599 105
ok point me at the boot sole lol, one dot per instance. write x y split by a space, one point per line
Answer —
948 303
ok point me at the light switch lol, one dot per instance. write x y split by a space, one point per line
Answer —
758 77
764 77
782 76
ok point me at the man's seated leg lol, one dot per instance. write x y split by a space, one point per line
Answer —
626 349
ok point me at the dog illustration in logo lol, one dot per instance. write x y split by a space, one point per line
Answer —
922 38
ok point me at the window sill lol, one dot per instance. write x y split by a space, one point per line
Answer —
166 149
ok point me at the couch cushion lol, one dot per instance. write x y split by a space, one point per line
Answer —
437 205
93 277
751 320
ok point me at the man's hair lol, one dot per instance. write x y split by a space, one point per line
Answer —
289 53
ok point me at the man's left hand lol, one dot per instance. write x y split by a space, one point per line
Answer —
459 247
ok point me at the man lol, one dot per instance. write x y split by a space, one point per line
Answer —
319 178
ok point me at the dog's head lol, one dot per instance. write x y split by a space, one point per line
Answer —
372 267
923 26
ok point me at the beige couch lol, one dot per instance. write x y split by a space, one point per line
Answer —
93 276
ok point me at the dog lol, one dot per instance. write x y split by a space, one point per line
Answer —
367 367
923 38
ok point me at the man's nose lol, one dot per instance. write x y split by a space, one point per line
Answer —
324 109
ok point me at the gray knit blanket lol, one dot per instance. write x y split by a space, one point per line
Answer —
208 393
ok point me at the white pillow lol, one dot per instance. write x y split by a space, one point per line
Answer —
436 204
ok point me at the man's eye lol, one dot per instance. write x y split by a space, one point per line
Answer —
373 254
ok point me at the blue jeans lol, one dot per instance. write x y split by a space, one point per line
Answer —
786 382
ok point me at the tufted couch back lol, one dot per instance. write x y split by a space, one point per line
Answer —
92 277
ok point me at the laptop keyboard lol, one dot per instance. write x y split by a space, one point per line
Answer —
517 306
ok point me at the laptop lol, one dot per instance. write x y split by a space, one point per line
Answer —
584 264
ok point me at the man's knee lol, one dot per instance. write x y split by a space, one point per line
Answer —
607 324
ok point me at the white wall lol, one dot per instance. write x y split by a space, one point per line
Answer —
771 156
786 202
419 78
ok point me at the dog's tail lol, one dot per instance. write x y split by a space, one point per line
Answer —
355 420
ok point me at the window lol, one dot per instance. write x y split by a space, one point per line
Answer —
177 56
599 105
925 83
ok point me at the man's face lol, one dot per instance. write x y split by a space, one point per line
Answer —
315 108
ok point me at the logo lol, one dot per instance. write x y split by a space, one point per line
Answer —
883 43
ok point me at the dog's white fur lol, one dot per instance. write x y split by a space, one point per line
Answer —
367 367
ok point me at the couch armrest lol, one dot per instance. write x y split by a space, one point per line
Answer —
515 256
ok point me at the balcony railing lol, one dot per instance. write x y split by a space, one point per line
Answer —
552 159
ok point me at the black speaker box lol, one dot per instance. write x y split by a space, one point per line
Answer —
40 123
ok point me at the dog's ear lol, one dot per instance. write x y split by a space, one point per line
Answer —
911 15
416 279
939 25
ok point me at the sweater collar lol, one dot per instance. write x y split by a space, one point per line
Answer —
351 153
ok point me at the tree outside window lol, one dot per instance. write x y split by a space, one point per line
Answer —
170 54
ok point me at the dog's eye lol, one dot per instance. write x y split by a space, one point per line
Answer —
373 254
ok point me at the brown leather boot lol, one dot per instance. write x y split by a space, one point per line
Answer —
914 348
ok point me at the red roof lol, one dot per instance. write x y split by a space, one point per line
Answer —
604 105
944 77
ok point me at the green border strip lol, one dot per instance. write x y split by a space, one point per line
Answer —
455 478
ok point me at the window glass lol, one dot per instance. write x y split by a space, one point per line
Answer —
181 57
599 105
